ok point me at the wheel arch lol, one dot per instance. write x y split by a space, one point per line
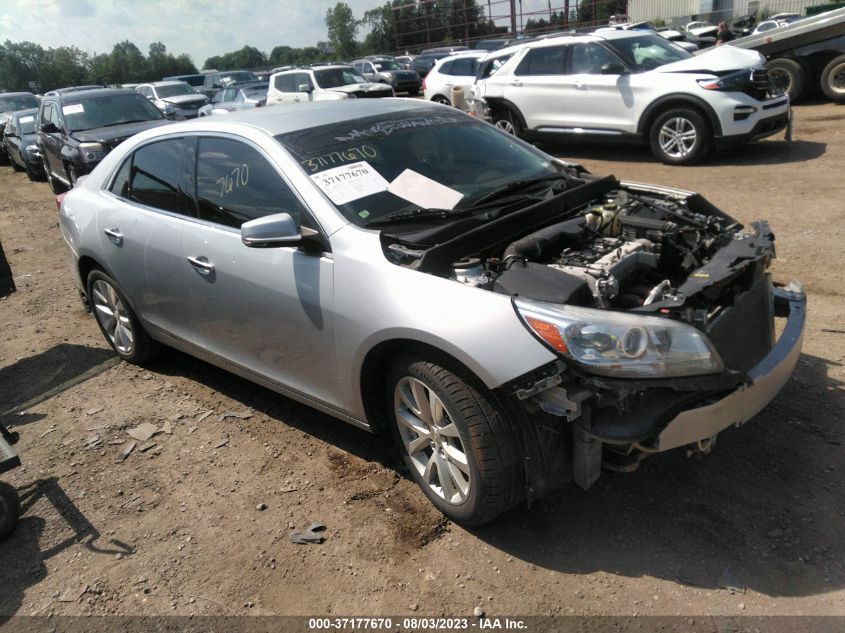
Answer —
376 365
659 106
497 104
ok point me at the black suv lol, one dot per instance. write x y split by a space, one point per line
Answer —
75 130
11 102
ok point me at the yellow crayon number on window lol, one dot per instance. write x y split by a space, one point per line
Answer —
238 177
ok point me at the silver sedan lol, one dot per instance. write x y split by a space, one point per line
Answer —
512 320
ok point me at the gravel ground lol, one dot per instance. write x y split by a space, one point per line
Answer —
196 519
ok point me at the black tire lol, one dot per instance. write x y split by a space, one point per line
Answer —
10 509
668 136
790 76
507 121
441 99
833 79
413 92
33 174
15 166
56 186
491 459
140 346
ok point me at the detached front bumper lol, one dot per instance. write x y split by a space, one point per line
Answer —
767 378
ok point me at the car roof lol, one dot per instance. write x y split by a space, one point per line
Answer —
304 68
295 117
15 94
84 95
169 82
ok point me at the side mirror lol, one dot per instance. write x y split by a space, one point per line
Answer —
613 68
49 128
305 88
278 229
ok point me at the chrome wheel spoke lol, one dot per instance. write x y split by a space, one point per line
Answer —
450 430
431 440
456 458
110 313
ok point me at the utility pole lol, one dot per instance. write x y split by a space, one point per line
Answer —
513 17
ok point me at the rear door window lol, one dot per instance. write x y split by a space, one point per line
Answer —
465 66
548 60
160 177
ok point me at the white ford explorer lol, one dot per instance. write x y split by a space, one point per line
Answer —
633 86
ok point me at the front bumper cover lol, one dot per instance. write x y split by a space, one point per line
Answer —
767 378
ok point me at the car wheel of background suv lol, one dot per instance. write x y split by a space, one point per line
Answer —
441 99
833 79
117 321
55 186
456 443
33 174
680 136
507 121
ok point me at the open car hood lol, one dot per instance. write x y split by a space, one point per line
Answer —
716 60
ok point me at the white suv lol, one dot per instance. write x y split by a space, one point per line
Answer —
322 83
634 85
455 70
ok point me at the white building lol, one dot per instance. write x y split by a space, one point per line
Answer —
681 11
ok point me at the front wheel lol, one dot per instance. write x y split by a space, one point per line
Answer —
458 447
680 137
10 509
441 99
117 321
833 79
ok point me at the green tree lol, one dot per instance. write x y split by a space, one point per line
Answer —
342 29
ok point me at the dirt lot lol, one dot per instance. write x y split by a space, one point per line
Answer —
176 529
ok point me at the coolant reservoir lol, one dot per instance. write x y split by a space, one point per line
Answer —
602 219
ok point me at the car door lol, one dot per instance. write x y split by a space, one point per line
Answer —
536 87
267 310
140 231
51 142
597 100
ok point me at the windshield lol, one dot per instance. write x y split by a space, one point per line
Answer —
386 65
176 89
336 77
256 92
243 75
108 110
17 102
646 52
468 157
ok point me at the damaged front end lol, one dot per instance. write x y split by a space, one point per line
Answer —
658 306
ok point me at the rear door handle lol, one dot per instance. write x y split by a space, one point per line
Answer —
114 235
203 266
516 82
580 85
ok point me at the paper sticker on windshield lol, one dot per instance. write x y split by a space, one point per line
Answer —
27 119
73 108
350 182
423 191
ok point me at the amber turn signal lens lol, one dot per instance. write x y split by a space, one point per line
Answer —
548 332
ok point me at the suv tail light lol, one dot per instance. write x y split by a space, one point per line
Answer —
59 199
423 84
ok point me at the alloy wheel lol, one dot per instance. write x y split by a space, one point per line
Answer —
113 316
432 441
837 79
506 125
678 137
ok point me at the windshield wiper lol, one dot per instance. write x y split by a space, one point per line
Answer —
514 187
418 214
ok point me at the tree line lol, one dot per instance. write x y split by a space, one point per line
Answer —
26 66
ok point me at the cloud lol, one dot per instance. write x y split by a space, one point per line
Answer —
76 8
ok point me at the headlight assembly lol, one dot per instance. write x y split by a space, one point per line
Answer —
91 152
621 345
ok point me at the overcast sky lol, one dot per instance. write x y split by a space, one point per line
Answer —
200 28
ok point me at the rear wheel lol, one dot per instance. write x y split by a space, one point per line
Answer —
10 509
457 445
56 186
508 122
789 76
680 137
33 173
117 321
441 99
15 166
833 79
